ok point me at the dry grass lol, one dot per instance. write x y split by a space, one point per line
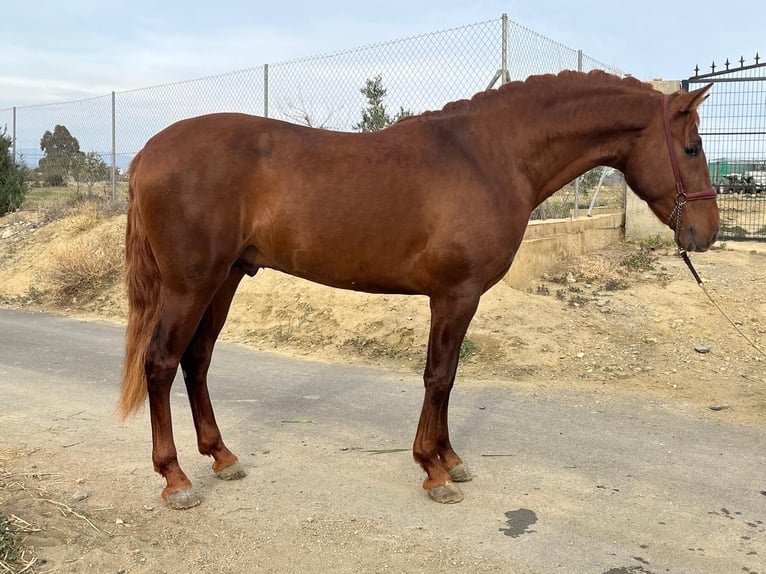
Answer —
8 546
14 558
85 216
597 268
85 266
53 204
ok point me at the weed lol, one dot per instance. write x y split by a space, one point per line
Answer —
33 296
557 278
9 553
284 332
578 301
641 261
615 285
543 290
733 230
369 347
655 242
467 348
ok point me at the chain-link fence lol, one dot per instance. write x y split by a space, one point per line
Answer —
419 73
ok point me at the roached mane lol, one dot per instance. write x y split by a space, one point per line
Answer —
560 79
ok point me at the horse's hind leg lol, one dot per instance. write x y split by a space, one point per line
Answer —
195 363
181 312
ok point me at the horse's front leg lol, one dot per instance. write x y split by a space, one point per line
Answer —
450 316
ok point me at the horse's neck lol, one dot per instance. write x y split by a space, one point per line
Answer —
555 140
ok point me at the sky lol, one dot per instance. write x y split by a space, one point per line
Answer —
53 51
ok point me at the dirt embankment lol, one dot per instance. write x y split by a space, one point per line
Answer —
626 320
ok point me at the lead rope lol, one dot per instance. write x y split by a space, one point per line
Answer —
685 256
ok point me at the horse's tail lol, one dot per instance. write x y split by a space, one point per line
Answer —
142 277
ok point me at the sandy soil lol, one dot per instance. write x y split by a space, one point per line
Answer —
623 321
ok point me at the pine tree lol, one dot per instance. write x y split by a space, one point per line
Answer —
374 116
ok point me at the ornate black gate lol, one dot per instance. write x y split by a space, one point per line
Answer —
733 128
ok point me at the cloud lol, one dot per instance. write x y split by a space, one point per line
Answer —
47 74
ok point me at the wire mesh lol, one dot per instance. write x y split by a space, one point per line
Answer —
419 73
733 128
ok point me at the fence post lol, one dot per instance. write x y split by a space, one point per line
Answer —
576 210
502 74
265 90
505 76
114 150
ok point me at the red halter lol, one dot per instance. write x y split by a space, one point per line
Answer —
681 196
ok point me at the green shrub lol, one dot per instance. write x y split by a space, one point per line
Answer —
12 186
467 348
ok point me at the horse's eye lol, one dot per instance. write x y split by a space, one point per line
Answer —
692 150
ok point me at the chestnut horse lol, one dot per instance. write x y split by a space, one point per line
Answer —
436 205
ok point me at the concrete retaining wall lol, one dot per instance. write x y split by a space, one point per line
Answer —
641 223
547 244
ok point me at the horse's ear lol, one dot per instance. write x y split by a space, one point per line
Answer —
690 101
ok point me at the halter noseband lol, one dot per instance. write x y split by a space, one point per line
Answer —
682 198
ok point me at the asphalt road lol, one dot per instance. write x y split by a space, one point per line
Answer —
570 482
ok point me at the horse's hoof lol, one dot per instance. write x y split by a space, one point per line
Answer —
460 473
182 499
446 494
231 472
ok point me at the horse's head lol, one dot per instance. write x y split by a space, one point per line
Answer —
667 168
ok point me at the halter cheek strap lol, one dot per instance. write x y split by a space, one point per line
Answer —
682 198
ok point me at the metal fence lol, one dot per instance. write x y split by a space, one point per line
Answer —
419 73
733 124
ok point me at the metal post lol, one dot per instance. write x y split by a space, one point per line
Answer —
505 76
576 210
502 74
266 90
114 150
604 173
579 60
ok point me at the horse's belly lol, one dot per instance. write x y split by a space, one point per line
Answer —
373 274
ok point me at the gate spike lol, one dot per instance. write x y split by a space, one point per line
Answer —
757 57
727 63
741 61
712 67
696 71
